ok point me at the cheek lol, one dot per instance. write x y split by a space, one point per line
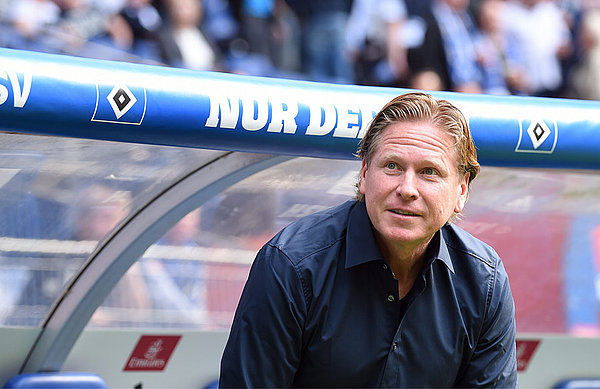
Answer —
371 183
443 212
443 205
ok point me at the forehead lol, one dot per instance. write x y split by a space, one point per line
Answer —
417 136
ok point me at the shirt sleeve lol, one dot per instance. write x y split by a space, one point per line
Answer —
264 346
494 363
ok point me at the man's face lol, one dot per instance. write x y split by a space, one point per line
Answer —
412 186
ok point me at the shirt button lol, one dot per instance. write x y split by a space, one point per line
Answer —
384 266
394 346
391 298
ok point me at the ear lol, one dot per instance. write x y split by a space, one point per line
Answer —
363 174
463 193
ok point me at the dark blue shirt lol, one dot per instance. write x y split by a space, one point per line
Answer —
321 308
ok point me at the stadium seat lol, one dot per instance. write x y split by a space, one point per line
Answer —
580 383
56 380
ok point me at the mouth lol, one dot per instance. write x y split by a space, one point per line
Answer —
403 213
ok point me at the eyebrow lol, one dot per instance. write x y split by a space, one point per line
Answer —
426 161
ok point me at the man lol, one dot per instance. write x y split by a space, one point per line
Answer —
382 291
449 48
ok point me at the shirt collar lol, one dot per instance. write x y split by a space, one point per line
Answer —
361 246
439 250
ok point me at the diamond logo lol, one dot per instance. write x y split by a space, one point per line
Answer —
537 136
121 100
120 104
538 131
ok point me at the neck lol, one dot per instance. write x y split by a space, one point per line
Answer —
405 262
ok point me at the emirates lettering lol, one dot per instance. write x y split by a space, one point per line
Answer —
146 363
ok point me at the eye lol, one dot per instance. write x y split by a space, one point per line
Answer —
430 171
391 165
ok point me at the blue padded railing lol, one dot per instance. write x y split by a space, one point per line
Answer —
85 98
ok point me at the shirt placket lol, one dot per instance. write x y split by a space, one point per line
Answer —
393 365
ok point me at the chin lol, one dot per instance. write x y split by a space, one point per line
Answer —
402 237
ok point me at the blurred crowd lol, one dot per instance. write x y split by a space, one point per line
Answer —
525 47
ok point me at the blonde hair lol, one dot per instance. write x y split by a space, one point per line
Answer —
419 106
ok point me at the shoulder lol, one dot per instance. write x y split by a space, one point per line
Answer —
313 233
478 267
475 262
464 245
480 281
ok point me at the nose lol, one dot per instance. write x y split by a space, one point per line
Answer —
407 186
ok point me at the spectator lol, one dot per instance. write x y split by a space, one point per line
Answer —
79 23
573 13
240 228
323 26
183 43
286 34
29 21
375 42
30 17
449 48
218 23
256 18
585 78
99 210
271 32
177 283
20 219
541 30
136 29
499 53
96 212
